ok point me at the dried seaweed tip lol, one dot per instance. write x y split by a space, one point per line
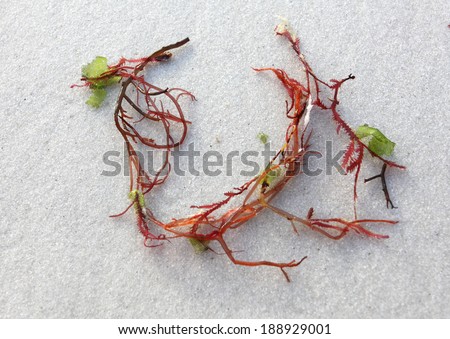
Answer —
285 28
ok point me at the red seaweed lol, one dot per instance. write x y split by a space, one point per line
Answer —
140 101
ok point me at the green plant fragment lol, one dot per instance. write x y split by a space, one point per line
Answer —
198 245
98 95
376 141
140 197
264 138
94 69
271 175
91 72
111 80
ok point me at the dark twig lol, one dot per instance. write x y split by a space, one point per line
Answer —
383 183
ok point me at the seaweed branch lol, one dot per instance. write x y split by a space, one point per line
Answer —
140 101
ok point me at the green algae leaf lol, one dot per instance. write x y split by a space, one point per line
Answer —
97 67
199 246
93 70
264 138
139 195
271 175
376 141
108 81
98 95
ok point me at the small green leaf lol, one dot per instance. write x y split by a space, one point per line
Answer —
136 193
94 70
264 138
198 245
97 97
376 141
109 81
271 175
97 67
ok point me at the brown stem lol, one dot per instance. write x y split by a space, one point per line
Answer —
382 177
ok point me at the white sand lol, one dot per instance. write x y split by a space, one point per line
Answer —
61 256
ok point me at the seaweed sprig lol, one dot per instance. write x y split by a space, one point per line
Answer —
140 101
